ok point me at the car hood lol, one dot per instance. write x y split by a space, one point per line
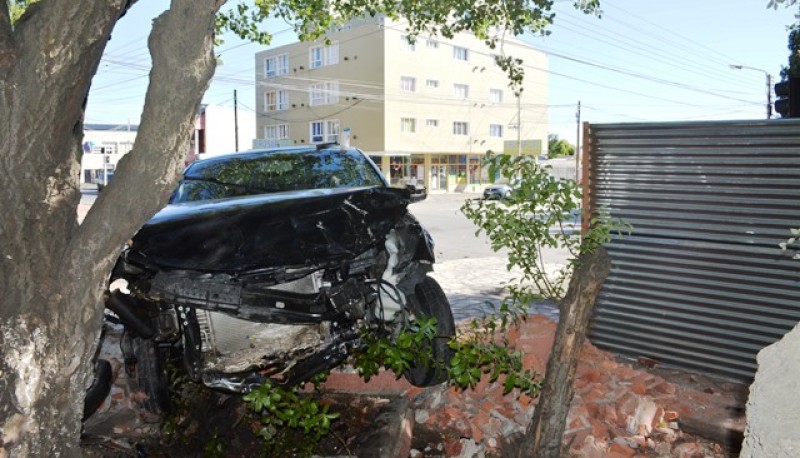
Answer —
300 228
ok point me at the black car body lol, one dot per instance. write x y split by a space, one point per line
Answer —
269 265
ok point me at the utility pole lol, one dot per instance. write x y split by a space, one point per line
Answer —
578 143
235 121
769 96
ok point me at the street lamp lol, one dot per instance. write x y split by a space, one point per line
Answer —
769 84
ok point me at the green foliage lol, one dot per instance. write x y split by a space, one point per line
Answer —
484 350
18 7
523 222
558 147
214 448
490 20
284 411
398 353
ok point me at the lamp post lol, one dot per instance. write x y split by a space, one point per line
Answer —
769 84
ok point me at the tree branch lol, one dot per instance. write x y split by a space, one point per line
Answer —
7 45
544 435
181 46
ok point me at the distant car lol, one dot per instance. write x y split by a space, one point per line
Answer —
418 191
102 181
497 192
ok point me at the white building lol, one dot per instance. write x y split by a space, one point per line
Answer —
426 112
103 146
216 130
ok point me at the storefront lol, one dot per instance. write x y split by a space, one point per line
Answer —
439 172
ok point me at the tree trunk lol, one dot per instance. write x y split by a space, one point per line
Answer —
53 271
543 438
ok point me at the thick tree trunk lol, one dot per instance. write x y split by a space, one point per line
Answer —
544 436
53 271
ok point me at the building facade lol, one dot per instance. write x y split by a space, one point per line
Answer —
103 146
425 112
222 129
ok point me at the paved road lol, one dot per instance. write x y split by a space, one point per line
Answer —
469 271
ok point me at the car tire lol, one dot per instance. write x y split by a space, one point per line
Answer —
150 378
430 301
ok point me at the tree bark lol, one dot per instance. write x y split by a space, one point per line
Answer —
543 438
53 271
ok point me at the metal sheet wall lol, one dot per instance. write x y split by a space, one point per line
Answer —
701 282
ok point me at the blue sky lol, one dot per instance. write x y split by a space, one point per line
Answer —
642 60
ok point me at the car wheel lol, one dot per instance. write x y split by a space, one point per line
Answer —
150 377
430 301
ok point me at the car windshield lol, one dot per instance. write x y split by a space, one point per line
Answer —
278 171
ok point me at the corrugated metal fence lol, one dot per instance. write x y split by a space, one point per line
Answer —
701 282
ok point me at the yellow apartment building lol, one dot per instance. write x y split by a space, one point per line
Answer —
425 112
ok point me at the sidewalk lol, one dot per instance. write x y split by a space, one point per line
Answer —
471 283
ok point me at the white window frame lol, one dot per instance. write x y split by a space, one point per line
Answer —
323 93
282 64
323 131
460 128
316 131
276 132
276 100
432 123
460 53
431 43
270 101
461 91
322 55
270 67
408 84
496 130
282 100
408 125
496 95
431 83
332 130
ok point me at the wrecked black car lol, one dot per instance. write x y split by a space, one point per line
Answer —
268 265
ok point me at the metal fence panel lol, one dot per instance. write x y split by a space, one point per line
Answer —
701 282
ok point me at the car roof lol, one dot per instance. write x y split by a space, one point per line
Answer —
266 152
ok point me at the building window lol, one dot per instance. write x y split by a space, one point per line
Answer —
405 44
496 95
276 132
276 100
460 53
283 64
276 65
460 128
408 84
432 123
495 130
320 55
408 125
431 43
432 83
270 101
326 131
326 93
270 67
460 91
